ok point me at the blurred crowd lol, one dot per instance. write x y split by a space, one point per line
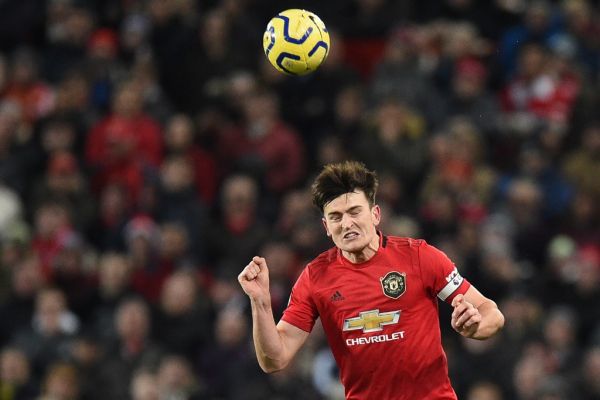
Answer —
148 151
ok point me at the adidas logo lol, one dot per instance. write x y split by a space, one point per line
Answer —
337 296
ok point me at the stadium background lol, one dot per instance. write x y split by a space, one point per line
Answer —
147 151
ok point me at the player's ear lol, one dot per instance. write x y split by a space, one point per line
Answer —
324 222
376 214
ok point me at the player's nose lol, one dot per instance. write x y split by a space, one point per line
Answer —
346 222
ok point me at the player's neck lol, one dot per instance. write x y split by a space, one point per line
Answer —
365 254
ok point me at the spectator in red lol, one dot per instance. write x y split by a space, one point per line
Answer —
179 140
65 184
134 126
27 89
143 239
540 88
115 160
52 231
265 144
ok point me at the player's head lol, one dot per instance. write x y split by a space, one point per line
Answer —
345 194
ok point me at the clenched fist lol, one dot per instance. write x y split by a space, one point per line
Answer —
465 317
254 279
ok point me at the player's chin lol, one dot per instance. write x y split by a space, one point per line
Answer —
353 246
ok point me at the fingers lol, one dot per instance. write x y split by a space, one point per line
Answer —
253 269
250 272
457 300
467 319
259 261
465 315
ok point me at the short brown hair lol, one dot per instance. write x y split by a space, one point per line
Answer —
340 178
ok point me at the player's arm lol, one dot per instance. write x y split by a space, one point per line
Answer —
475 316
275 345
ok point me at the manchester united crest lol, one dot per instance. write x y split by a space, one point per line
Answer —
394 284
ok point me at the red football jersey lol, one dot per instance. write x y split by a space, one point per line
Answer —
381 317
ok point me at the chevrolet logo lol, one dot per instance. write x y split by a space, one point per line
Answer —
371 321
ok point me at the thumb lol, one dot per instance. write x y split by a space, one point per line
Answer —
457 300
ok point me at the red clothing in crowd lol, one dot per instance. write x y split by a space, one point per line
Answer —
280 149
545 96
142 133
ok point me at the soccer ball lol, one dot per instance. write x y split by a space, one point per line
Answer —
296 42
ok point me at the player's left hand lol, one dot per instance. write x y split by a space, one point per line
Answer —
465 317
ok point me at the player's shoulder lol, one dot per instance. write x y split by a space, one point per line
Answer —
320 263
403 242
323 260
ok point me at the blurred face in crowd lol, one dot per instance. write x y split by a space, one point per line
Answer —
231 328
174 241
73 93
58 136
241 85
85 351
27 278
214 31
484 391
591 141
180 133
349 105
24 69
78 26
14 367
391 121
128 101
11 116
174 375
50 306
532 61
49 219
114 274
177 174
468 86
461 40
524 201
113 203
62 383
132 320
144 386
537 16
578 15
591 369
559 329
528 376
239 196
281 257
351 221
62 173
179 294
260 110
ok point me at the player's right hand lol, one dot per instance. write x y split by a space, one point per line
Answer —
254 279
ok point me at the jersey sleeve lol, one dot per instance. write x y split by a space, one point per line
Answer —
440 276
301 310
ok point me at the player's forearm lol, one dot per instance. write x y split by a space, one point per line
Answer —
270 350
492 321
